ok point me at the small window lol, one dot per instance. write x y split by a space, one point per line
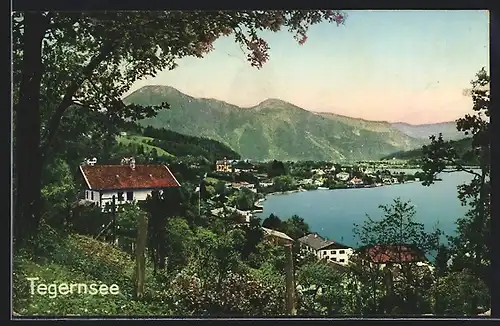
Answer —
91 195
130 195
334 259
86 195
327 257
342 260
120 196
333 252
342 252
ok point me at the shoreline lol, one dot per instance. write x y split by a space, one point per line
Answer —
260 201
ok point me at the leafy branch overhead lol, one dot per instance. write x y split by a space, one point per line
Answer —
92 59
471 246
441 156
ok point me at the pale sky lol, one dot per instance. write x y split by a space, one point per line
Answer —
408 66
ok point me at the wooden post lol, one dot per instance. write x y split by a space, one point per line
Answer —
290 282
140 261
113 212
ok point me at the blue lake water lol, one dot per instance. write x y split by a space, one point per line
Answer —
332 213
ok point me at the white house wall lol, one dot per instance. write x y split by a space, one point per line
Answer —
92 195
332 254
106 197
340 256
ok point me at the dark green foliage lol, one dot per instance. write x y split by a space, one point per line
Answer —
460 294
471 247
397 228
273 222
461 147
275 168
321 291
182 145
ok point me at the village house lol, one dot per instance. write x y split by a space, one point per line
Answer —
244 184
395 255
276 237
356 182
242 216
306 182
391 258
342 176
128 182
318 172
223 166
325 249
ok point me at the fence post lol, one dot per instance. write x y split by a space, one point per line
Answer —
113 212
140 261
290 282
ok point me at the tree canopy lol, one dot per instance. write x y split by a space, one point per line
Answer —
91 59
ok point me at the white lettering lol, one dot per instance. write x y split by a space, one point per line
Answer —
55 289
82 288
52 290
42 289
63 288
103 289
93 289
32 284
114 289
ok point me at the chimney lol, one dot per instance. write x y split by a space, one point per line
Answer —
132 163
92 162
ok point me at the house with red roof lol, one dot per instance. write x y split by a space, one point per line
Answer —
395 254
392 257
128 182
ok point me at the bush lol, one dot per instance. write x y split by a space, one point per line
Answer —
239 295
456 292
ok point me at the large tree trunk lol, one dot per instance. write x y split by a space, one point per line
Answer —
27 132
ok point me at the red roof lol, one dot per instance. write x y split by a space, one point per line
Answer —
393 254
125 177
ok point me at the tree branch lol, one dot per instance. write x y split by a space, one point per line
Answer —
67 100
462 170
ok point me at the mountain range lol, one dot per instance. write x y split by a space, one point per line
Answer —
275 129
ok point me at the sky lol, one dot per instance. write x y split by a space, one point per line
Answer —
397 66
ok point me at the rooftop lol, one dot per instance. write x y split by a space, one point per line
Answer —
276 234
398 253
110 177
316 242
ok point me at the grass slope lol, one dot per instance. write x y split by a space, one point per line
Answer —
274 129
78 259
141 140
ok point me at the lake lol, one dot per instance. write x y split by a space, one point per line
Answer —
332 213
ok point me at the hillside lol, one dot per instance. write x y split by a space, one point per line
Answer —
462 146
273 129
145 142
79 259
169 143
448 129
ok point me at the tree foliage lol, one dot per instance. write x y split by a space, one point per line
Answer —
460 294
470 248
392 236
321 291
91 59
